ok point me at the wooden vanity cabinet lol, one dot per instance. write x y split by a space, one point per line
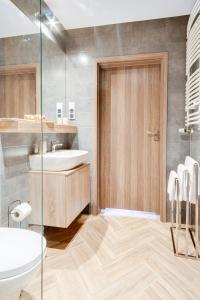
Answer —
65 195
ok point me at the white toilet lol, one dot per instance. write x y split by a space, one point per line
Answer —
21 254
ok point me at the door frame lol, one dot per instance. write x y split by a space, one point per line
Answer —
135 60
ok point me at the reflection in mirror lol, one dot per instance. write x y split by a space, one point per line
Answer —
21 52
19 62
19 90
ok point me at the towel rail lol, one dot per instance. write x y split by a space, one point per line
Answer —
192 93
191 232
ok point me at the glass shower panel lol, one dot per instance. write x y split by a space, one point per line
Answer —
21 238
53 92
32 83
53 71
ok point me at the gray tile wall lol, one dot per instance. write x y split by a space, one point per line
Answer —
28 49
15 148
85 45
73 79
14 167
195 145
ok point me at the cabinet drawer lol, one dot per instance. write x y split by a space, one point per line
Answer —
77 193
62 197
53 199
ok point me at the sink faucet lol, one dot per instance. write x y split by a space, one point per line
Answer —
54 146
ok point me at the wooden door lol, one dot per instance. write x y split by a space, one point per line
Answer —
129 137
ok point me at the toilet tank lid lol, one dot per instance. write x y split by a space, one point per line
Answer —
20 251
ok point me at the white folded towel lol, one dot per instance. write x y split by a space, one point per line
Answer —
171 189
184 177
190 164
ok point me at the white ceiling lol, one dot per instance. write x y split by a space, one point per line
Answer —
13 22
86 13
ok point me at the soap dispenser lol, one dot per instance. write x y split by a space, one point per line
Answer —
59 112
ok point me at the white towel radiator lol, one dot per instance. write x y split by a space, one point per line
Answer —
192 105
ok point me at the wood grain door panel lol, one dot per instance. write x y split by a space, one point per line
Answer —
129 167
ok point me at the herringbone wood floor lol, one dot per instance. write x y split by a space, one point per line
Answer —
122 258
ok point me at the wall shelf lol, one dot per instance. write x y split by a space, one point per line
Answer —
29 126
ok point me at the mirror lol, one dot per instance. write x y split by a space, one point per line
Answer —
19 90
19 76
23 52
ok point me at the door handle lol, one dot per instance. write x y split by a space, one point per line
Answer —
154 134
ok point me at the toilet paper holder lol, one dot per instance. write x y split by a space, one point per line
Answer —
10 208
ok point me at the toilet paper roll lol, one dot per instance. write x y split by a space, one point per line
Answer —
20 212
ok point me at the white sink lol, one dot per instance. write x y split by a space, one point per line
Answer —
61 160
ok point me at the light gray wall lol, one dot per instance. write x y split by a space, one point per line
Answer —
29 49
14 167
83 47
126 39
17 147
195 153
195 145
